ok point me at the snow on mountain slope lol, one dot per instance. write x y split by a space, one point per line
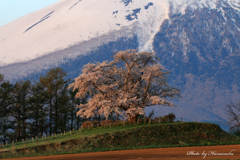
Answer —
70 22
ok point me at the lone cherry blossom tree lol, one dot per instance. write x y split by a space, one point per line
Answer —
125 86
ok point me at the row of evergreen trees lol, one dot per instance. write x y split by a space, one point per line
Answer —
29 109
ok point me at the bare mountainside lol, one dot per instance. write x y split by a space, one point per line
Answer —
198 40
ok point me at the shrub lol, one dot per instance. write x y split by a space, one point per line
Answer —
167 118
118 122
146 120
162 119
140 120
170 117
95 123
156 120
106 123
87 124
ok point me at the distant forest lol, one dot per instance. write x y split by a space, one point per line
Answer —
43 107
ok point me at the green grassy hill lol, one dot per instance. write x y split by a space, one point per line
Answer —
128 137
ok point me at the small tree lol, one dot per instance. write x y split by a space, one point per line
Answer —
125 85
233 111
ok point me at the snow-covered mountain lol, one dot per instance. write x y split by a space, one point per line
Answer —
198 40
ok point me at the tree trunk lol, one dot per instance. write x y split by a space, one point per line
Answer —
56 112
50 123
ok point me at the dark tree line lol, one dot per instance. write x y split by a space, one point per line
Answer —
29 109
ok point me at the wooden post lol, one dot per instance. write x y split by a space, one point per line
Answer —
42 138
61 134
159 119
88 126
32 139
73 129
70 132
45 136
55 135
64 133
13 143
110 125
22 140
123 123
149 120
97 125
36 138
2 145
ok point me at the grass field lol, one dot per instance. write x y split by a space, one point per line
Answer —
125 137
77 134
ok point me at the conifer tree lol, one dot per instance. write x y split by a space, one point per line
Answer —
38 111
20 111
54 85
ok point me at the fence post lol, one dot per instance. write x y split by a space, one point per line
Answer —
55 135
70 132
45 136
64 133
159 119
110 125
2 145
32 139
61 134
36 138
73 129
22 140
13 143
